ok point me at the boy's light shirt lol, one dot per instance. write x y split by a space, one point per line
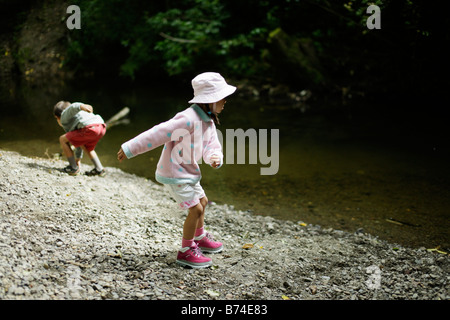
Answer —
73 118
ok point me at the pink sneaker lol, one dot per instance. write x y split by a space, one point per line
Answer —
193 257
207 244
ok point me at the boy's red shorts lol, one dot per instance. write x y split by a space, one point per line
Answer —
87 136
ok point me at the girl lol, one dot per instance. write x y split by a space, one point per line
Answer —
188 137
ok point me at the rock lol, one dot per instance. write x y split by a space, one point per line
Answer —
19 291
123 245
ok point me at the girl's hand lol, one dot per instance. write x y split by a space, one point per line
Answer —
121 155
215 161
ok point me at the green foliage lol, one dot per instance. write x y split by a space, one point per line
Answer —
182 37
179 37
184 34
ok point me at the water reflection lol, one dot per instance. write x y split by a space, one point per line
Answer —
333 171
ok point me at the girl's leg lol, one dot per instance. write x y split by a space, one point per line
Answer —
190 254
193 220
201 222
203 239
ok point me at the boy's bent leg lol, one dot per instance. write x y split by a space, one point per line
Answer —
95 160
65 145
99 170
73 168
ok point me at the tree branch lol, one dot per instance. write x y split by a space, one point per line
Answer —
162 34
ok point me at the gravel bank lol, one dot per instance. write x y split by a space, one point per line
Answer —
116 237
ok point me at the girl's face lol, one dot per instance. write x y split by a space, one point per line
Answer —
218 106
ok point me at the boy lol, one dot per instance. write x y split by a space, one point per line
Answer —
83 130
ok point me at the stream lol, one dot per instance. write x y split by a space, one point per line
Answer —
346 166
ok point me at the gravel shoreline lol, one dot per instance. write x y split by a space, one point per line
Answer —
116 237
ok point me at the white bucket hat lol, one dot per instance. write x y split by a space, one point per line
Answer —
210 87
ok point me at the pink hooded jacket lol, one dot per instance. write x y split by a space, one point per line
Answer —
187 137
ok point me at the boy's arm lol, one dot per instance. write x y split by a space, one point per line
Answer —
73 109
69 112
87 108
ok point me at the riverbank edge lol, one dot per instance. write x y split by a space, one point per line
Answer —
116 238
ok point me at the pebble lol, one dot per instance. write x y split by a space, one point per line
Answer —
116 237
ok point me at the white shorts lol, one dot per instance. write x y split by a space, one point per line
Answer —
186 195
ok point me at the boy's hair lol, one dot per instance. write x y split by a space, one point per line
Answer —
59 108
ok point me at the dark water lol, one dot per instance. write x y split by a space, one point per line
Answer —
350 168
